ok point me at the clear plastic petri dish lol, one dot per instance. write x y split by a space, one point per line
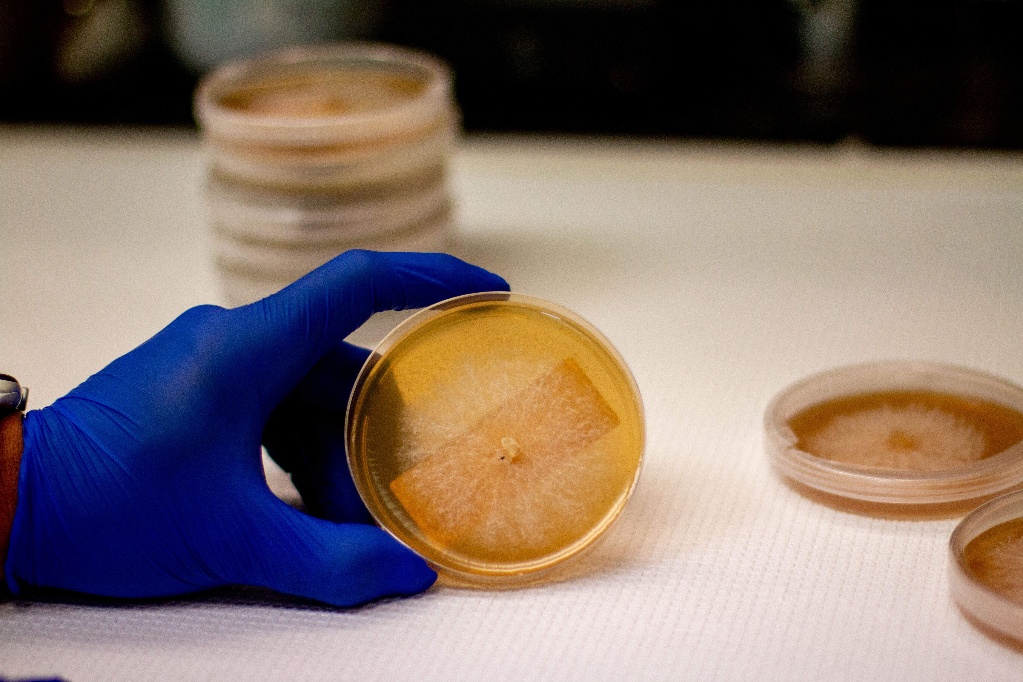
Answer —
899 437
986 568
325 169
325 97
308 224
287 262
497 435
301 198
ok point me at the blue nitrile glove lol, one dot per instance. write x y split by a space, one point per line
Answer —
147 479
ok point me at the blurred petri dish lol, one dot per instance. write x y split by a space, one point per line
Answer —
986 567
304 223
336 169
497 435
302 197
324 97
274 260
330 118
899 437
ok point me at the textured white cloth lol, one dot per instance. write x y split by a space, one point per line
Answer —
721 273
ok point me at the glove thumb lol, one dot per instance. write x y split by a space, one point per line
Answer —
338 563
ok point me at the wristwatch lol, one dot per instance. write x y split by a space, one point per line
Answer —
12 401
13 396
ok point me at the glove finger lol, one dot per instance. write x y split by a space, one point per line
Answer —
305 435
310 446
340 564
328 385
294 328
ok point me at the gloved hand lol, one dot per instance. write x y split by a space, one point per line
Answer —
147 479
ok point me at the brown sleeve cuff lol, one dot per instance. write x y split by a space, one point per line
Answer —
12 441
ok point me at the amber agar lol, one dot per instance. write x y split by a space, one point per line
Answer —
986 567
322 93
497 435
995 558
911 437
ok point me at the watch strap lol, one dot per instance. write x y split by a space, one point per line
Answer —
12 441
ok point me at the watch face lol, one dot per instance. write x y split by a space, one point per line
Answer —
12 395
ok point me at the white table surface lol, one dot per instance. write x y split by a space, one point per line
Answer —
721 272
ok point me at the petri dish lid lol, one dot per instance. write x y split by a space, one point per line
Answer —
277 260
497 435
286 225
390 90
981 414
312 172
300 198
984 576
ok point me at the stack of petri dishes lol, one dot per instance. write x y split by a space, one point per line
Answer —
317 150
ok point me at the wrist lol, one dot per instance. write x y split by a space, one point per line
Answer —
12 443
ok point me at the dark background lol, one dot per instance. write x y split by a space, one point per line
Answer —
945 73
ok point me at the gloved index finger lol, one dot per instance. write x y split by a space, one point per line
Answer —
291 330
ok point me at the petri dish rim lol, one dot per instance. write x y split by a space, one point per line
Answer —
981 604
223 123
984 478
476 574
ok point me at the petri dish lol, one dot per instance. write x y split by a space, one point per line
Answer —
901 437
324 169
336 95
986 568
281 260
497 435
280 220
